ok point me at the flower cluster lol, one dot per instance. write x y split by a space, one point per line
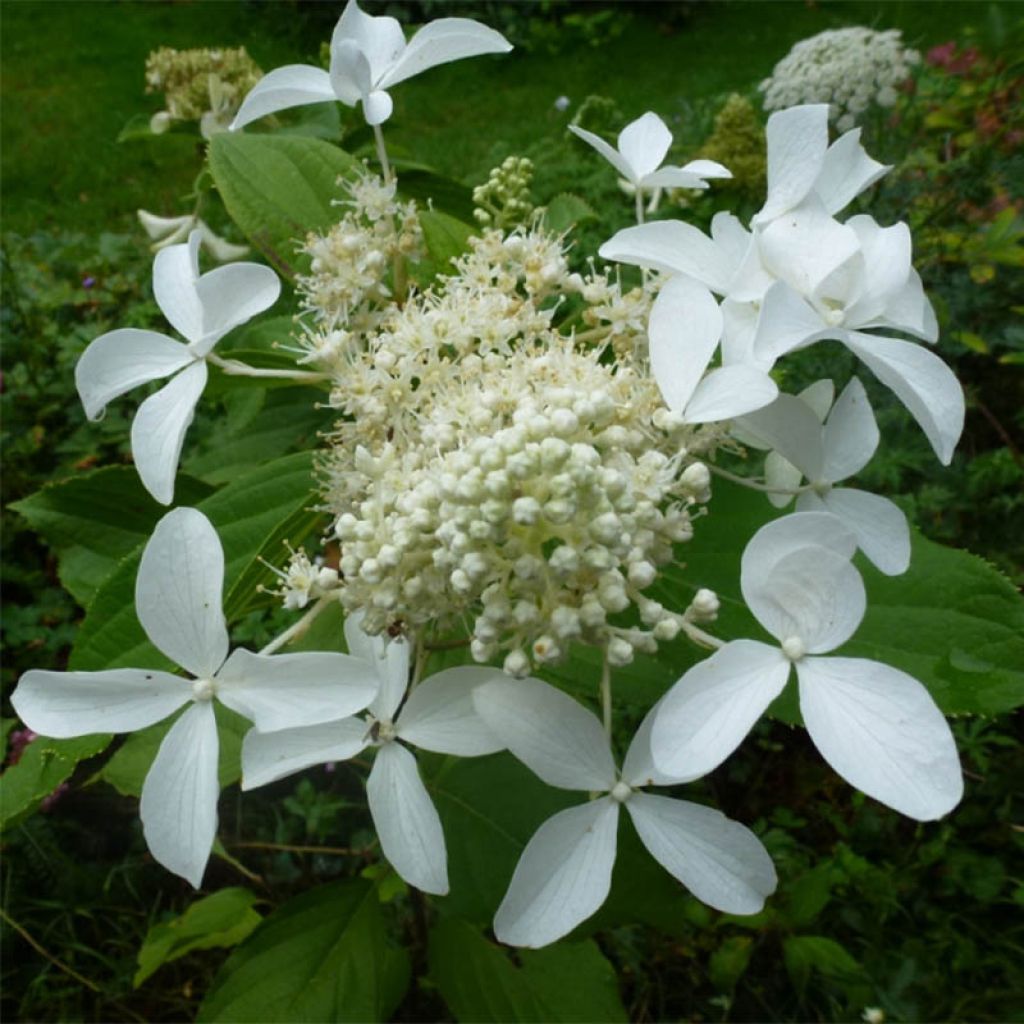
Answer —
205 85
848 68
504 200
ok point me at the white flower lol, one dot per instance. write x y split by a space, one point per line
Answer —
368 56
167 231
202 309
875 725
564 874
438 715
642 146
827 455
178 601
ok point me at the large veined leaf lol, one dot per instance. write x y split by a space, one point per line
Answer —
321 957
569 981
277 188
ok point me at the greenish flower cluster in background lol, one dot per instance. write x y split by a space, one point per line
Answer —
503 201
738 142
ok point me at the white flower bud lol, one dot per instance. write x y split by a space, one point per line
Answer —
619 652
516 663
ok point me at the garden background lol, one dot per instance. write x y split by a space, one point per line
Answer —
921 921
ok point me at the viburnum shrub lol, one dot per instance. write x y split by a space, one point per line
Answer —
522 461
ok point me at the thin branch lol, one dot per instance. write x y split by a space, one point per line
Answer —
296 629
234 368
331 851
70 971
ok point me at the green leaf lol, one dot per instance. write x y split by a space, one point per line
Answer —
806 953
277 188
321 957
214 922
568 981
445 239
44 764
93 520
729 962
567 210
419 182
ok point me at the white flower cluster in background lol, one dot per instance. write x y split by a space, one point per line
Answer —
847 68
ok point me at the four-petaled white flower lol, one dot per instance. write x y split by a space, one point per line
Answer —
875 725
202 309
368 55
565 871
827 455
178 600
438 715
642 146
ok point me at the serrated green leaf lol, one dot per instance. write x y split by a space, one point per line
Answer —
214 922
321 957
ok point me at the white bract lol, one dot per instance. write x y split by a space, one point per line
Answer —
368 56
438 715
165 231
178 601
875 725
565 871
827 455
202 309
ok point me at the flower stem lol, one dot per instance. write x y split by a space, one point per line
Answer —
754 485
382 155
296 629
234 368
639 205
606 696
698 636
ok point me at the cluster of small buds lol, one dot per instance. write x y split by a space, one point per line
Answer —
848 68
351 267
504 200
303 580
199 83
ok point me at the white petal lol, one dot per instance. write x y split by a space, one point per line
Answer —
232 295
643 144
62 704
548 731
377 107
707 169
293 85
269 756
175 273
909 310
672 246
782 474
613 156
158 227
819 396
284 691
178 592
563 876
880 729
638 768
881 528
179 797
719 860
730 391
673 177
851 434
790 427
846 171
440 42
158 430
351 78
380 39
707 714
887 254
797 141
406 820
118 361
786 322
684 329
921 381
390 660
439 714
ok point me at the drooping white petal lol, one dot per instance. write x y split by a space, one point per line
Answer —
351 78
548 731
232 295
293 85
790 427
269 756
118 361
158 430
851 435
178 592
797 141
880 729
160 228
880 526
719 860
563 876
814 595
846 171
786 322
909 310
440 715
390 661
62 704
284 691
379 38
406 820
440 42
730 391
707 714
781 537
175 273
674 247
612 155
684 329
643 144
921 381
179 796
